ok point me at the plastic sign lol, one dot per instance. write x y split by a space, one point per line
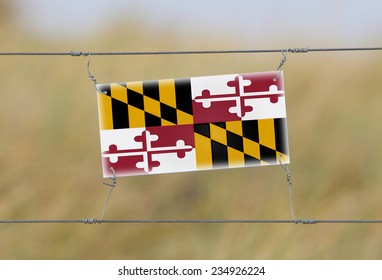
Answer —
200 123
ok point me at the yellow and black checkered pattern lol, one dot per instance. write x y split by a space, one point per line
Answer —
240 143
144 104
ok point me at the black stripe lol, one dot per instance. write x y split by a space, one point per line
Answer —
168 113
151 89
151 120
249 160
251 130
281 135
235 141
268 155
219 155
203 129
183 95
220 124
120 114
135 99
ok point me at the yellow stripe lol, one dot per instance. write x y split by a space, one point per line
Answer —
203 152
166 123
151 106
235 127
251 148
136 117
105 111
235 158
267 133
135 86
167 92
118 92
218 134
184 118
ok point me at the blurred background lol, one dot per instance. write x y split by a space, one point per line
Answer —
50 164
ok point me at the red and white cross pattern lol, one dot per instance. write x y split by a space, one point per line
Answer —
153 150
237 97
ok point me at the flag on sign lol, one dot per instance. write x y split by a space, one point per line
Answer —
199 123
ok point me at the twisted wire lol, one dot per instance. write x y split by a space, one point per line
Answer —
159 221
192 52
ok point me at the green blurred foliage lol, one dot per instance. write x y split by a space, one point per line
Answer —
50 165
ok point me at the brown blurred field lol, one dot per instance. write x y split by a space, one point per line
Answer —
50 165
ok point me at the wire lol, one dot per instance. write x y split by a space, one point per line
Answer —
289 180
95 221
191 52
112 185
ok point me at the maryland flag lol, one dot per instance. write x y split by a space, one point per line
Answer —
199 123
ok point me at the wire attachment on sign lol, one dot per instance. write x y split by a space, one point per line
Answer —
90 74
112 185
289 180
282 62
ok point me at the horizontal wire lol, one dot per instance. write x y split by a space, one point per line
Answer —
190 52
95 221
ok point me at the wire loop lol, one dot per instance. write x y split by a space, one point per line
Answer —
289 180
282 62
91 76
112 185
